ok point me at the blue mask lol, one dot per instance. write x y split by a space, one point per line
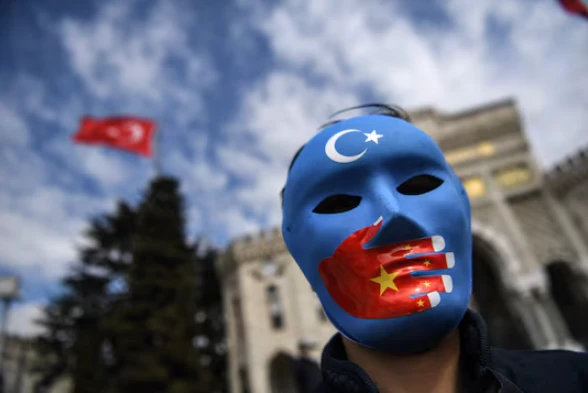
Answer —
380 225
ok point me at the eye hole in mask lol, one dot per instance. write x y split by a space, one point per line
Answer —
419 185
338 203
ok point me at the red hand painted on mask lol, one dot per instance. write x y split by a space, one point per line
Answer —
376 282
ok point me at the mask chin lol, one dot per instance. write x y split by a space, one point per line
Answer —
400 337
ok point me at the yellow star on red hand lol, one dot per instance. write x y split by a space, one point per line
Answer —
385 280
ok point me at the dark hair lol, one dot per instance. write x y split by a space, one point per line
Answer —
378 109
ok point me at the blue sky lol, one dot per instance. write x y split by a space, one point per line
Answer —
236 86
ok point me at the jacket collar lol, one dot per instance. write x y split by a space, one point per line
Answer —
342 376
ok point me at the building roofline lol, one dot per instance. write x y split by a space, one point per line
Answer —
446 115
507 102
571 161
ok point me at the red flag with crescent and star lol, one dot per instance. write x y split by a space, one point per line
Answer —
578 7
132 134
377 282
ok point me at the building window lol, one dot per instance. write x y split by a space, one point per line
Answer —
269 269
486 149
239 323
513 176
481 150
244 377
474 186
275 307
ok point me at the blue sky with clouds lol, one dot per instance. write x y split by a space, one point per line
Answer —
236 86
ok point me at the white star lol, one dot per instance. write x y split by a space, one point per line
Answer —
373 136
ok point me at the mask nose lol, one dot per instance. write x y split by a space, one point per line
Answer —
397 226
385 197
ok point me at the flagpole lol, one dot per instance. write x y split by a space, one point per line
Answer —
157 154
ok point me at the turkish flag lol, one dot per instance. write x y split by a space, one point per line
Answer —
127 133
377 283
579 7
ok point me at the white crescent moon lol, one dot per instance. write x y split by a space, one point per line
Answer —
334 155
136 133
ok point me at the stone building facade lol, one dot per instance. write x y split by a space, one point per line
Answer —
17 368
530 255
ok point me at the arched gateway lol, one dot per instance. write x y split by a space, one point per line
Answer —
281 374
493 301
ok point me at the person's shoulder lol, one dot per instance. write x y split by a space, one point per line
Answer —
543 371
559 359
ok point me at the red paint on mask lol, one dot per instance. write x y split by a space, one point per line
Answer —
376 283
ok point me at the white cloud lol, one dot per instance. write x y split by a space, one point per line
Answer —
22 319
284 110
108 167
13 130
41 218
37 101
135 63
40 229
124 65
329 53
277 117
114 170
120 57
540 60
234 222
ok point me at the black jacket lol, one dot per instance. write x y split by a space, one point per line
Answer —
308 374
489 370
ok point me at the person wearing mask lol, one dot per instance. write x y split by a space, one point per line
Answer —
380 225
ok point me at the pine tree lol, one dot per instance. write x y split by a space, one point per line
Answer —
155 327
141 310
114 236
89 291
210 319
54 346
76 323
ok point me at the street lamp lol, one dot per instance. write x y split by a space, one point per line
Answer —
9 291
